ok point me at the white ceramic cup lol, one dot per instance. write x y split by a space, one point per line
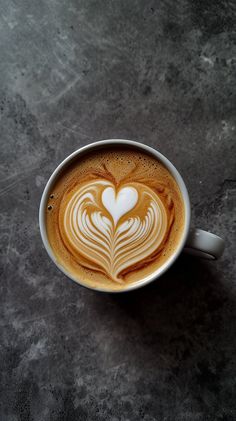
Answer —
194 241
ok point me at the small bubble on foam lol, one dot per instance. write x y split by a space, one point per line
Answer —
49 207
51 196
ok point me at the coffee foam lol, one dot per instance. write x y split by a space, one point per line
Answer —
117 215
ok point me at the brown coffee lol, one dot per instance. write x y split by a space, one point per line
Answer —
114 217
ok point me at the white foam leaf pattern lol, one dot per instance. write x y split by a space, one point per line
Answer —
114 238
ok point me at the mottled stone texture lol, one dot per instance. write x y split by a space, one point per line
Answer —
160 72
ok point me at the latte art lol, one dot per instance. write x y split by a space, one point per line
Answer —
114 217
105 226
118 205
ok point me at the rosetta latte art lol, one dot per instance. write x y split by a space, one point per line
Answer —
112 228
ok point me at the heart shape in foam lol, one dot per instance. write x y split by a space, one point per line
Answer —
109 244
120 204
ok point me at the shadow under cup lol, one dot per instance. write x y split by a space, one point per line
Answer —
117 144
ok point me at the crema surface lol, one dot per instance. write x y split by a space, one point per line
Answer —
114 217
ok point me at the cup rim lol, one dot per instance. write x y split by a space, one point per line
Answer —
98 145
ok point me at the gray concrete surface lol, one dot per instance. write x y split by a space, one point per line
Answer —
160 72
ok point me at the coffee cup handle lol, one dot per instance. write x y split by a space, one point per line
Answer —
204 244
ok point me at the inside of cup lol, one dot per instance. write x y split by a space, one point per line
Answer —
121 144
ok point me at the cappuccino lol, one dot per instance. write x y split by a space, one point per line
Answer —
114 217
